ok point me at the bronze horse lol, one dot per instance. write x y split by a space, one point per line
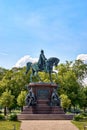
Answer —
48 68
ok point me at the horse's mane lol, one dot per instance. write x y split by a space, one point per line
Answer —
52 59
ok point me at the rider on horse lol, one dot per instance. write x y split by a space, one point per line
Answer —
42 61
43 65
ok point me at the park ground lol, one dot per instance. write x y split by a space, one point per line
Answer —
48 125
42 125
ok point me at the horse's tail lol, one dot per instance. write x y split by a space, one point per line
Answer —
28 65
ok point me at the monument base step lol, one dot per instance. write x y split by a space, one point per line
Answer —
44 117
42 109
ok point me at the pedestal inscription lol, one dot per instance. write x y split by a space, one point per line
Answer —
42 93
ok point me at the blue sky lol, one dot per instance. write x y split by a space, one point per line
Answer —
57 26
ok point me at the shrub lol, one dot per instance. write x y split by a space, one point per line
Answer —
84 114
78 117
12 117
2 117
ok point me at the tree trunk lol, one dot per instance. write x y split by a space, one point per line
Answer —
84 109
69 109
74 110
5 112
21 108
65 110
9 110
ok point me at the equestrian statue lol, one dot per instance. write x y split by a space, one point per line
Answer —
43 65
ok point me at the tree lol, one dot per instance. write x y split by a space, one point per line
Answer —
83 103
2 72
65 102
68 80
21 99
6 100
80 69
15 81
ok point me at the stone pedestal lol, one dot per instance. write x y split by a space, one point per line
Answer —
43 109
42 90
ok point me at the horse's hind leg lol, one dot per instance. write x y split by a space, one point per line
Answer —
32 74
31 77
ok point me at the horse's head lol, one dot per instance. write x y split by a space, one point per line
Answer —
56 62
53 61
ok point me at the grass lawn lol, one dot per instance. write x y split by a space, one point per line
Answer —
9 125
80 124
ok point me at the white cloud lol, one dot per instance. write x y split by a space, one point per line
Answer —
22 62
82 57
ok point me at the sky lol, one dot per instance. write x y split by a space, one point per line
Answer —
59 27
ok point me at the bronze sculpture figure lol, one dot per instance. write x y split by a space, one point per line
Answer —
43 65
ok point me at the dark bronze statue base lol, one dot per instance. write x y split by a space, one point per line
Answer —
44 108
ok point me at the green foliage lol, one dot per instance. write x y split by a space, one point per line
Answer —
81 117
21 98
70 76
65 101
84 103
78 117
2 117
15 81
79 124
2 72
12 117
9 125
84 114
44 76
80 69
6 99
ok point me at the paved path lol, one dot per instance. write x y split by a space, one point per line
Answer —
47 125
